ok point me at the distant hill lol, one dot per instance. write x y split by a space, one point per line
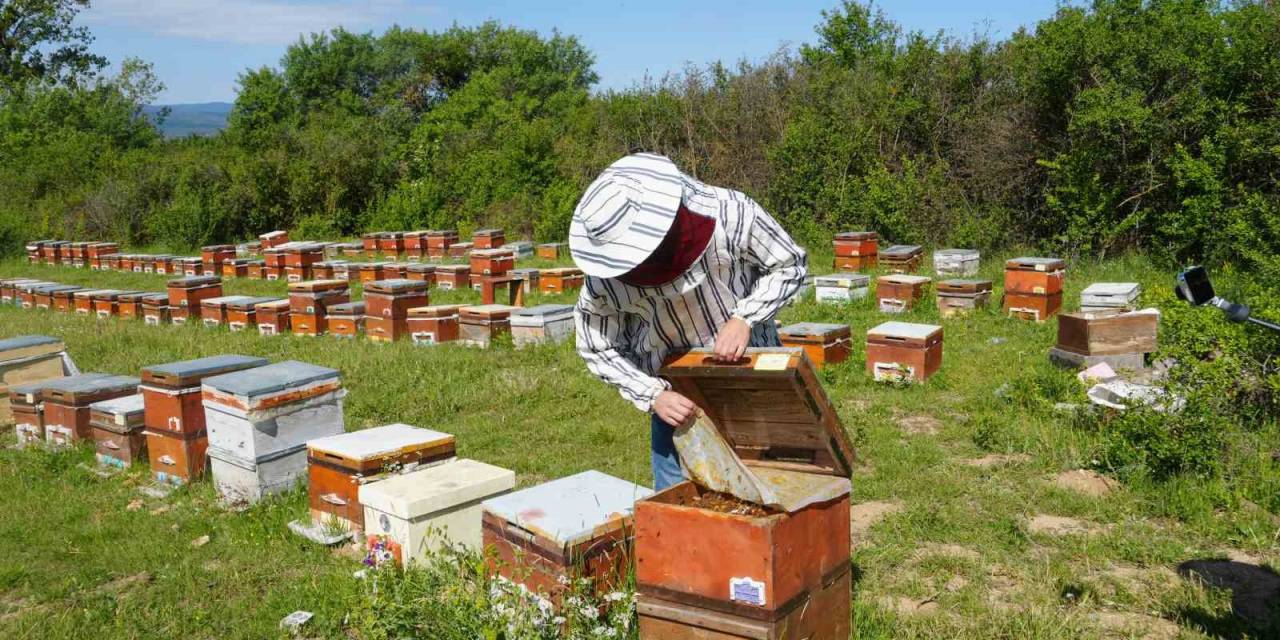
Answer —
204 119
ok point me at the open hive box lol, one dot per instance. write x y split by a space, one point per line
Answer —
338 465
823 343
259 421
711 566
547 536
67 400
118 431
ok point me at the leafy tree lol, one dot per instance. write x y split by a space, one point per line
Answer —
39 42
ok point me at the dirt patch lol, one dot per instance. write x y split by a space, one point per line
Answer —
1146 581
909 606
1002 590
996 460
1130 625
956 583
724 503
863 516
123 585
921 424
1061 526
946 551
1086 482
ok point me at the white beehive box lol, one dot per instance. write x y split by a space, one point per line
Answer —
841 287
242 480
956 262
543 323
423 511
256 413
1101 296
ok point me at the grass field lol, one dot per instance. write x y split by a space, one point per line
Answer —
965 525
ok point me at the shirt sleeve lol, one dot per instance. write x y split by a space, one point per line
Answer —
769 248
601 341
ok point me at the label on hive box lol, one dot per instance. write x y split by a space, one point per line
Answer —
747 590
891 305
893 372
423 337
772 362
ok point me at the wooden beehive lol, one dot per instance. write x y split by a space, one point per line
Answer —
187 294
105 302
338 465
345 320
66 404
370 271
172 391
1103 333
415 244
576 527
422 272
391 243
903 351
1037 307
478 325
956 262
25 360
460 249
551 250
369 241
129 303
560 280
823 343
117 431
242 313
273 317
213 311
156 310
958 296
488 238
1041 276
1101 296
492 262
840 287
26 402
435 324
82 301
272 239
316 296
439 241
902 258
856 244
64 298
899 292
545 323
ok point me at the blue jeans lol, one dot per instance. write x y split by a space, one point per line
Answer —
664 458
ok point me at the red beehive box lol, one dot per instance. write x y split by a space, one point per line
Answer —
126 262
187 267
370 243
297 274
856 244
171 392
387 304
438 242
155 309
460 249
52 251
106 302
64 298
303 254
1037 307
391 243
560 280
236 268
67 400
129 304
256 269
26 403
823 343
33 251
904 351
45 294
82 301
370 271
272 239
422 272
480 324
315 296
274 257
117 431
453 276
242 312
488 238
187 294
706 571
492 262
351 249
176 458
551 250
214 255
415 244
433 325
1042 276
272 317
273 273
216 312
110 262
322 271
345 320
307 324
395 271
899 292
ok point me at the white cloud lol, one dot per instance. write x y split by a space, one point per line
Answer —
249 21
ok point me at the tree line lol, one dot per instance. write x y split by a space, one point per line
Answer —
1118 126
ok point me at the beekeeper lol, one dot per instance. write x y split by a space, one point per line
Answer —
672 264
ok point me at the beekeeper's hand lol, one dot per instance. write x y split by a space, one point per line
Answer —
731 342
673 408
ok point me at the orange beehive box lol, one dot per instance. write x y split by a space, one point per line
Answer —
369 241
423 272
753 567
855 263
370 271
823 343
1037 307
67 400
488 238
315 296
242 313
551 250
187 294
275 256
345 320
236 268
899 351
303 254
453 276
433 325
272 317
272 239
415 245
106 302
856 244
1043 276
387 304
64 298
176 458
560 280
899 292
492 262
438 242
460 249
171 392
958 296
82 301
391 243
156 310
129 304
902 258
256 269
212 257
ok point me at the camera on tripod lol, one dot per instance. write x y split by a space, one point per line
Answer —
1193 285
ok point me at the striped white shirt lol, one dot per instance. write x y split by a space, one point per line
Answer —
751 268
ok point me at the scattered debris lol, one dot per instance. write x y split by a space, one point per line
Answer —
1120 394
200 542
996 460
319 533
134 505
997 340
156 490
1101 372
1084 481
909 606
294 621
1061 526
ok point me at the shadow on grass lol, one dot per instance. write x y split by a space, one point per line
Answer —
1255 599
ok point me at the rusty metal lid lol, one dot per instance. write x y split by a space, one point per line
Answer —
770 407
188 372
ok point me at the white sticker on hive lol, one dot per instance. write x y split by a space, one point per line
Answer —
747 590
772 362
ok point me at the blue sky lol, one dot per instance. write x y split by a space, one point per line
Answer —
199 46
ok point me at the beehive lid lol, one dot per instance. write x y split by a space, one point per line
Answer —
489 311
272 234
439 233
29 346
273 378
1126 290
525 273
814 330
435 489
60 289
958 254
1036 264
275 304
501 252
301 247
364 266
562 271
488 232
245 303
155 299
31 286
392 234
844 280
902 251
395 285
856 235
418 267
541 314
137 296
769 407
903 330
380 442
125 406
192 282
107 294
902 278
437 311
553 245
347 309
313 286
331 264
81 390
32 392
570 510
218 247
963 285
454 268
189 372
222 301
87 293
